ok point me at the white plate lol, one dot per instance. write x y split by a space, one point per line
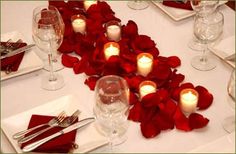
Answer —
30 62
88 139
175 13
225 48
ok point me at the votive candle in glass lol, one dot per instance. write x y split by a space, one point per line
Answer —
111 49
144 63
79 23
88 3
188 100
147 87
113 30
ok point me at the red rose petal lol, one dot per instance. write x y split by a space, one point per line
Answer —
149 129
173 61
151 100
128 67
197 121
135 112
69 61
143 43
176 91
205 98
133 98
91 82
134 82
130 30
80 66
181 122
164 121
170 108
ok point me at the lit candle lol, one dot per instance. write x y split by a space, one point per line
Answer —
79 23
144 63
88 3
146 87
111 49
113 30
188 100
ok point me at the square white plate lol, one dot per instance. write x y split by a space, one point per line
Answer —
224 49
88 139
30 62
178 14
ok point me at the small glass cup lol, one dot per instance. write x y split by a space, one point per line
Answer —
79 23
113 30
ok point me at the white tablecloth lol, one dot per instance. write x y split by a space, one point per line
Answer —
23 93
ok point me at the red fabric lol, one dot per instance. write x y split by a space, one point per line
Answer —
61 144
180 5
12 63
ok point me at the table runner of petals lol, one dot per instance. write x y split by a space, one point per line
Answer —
156 111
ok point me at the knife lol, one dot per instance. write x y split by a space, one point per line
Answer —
19 50
77 125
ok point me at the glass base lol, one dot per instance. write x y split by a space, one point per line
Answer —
203 65
57 66
229 124
56 84
138 5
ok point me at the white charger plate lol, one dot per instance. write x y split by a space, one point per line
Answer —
30 62
88 138
178 14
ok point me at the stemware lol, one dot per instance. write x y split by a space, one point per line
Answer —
202 8
111 108
229 122
48 29
137 4
207 29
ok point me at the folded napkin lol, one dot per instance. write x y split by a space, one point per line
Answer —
176 4
61 144
12 63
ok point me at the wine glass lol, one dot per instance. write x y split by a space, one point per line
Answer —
207 29
138 5
229 122
48 29
111 108
202 8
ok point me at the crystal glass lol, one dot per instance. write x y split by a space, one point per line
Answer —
47 30
112 107
202 8
207 29
229 122
138 5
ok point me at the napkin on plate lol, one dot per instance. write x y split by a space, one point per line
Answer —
176 4
12 63
61 144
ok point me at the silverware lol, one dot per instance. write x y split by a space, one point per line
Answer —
65 122
21 134
17 51
77 125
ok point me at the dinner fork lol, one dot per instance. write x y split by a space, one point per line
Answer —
63 123
11 46
21 134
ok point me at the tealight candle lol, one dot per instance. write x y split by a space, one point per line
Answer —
111 49
147 87
188 100
144 63
113 30
79 23
88 3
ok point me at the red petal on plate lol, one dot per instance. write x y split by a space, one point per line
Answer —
197 121
149 129
133 98
91 82
173 61
181 122
68 61
80 66
135 112
205 98
151 100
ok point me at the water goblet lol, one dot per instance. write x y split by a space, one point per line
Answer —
207 29
47 30
137 4
111 108
229 122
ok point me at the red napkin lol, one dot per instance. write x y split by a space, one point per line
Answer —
181 5
12 63
61 144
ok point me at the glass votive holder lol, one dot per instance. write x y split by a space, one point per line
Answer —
147 87
188 100
113 30
144 63
79 23
111 49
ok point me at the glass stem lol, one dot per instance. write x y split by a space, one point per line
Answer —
52 76
204 57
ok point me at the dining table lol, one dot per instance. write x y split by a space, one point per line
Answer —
23 92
